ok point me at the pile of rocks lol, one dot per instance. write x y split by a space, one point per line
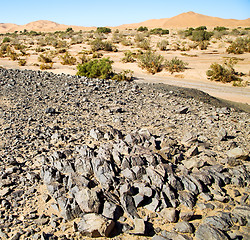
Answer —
87 157
127 176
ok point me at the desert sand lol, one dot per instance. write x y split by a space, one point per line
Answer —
198 61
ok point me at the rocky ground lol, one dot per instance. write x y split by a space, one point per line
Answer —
83 158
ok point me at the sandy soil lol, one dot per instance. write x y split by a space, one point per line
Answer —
193 77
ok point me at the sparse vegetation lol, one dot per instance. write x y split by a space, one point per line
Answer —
98 45
151 61
159 31
223 73
128 57
103 30
175 65
142 29
67 59
22 62
101 68
45 58
162 45
125 75
239 46
46 66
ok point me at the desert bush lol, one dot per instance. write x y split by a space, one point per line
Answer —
223 73
45 58
142 29
162 45
125 75
97 55
59 44
139 37
98 44
151 61
76 40
39 49
13 55
22 62
84 58
128 57
62 50
5 49
6 39
159 31
201 35
175 65
175 46
19 46
126 42
69 30
101 68
203 45
239 46
45 66
220 29
67 59
144 44
103 30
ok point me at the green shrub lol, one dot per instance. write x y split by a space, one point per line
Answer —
202 28
159 31
220 29
139 37
125 75
101 68
203 45
6 39
67 59
162 45
126 42
128 57
13 56
151 61
103 30
142 29
223 73
45 66
68 30
175 65
98 44
22 62
144 44
239 46
45 58
201 35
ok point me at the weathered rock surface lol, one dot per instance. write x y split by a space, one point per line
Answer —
103 158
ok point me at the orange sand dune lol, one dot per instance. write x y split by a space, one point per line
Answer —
184 20
189 19
40 26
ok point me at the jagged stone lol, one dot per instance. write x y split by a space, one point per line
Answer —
88 200
171 215
94 225
207 232
183 227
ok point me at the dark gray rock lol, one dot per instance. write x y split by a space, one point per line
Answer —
208 232
187 199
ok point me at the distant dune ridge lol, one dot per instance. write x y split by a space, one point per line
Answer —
184 20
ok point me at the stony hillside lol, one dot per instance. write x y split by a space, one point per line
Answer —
96 158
